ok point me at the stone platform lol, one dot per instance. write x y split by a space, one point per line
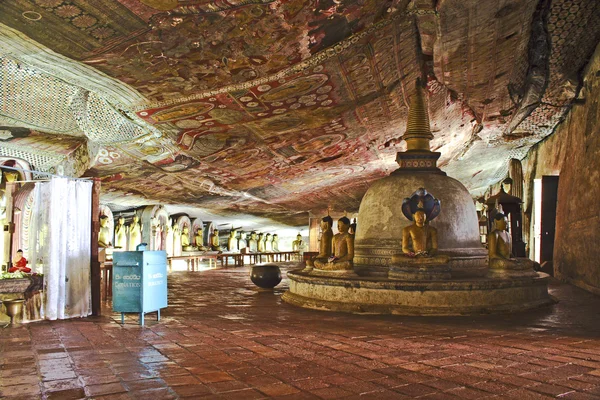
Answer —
377 295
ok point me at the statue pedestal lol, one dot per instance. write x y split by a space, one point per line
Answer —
420 268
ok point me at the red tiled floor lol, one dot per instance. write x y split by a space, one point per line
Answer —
221 338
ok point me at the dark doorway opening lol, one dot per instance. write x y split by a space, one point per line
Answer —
548 222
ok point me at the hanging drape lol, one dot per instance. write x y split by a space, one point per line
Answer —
60 246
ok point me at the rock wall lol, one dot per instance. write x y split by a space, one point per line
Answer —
573 153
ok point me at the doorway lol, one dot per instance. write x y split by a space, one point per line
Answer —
546 196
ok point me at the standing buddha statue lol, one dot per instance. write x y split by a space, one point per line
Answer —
135 233
261 243
121 234
104 234
275 243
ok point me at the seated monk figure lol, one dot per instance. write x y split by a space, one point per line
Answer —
343 250
20 263
500 249
419 242
325 250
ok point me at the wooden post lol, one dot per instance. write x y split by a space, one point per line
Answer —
94 262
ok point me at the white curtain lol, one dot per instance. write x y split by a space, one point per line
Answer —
60 246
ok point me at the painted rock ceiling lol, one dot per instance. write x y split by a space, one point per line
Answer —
279 107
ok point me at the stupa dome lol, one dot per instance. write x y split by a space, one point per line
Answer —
380 220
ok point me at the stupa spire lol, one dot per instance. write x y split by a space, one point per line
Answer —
418 132
418 156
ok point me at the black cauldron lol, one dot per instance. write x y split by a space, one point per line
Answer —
266 276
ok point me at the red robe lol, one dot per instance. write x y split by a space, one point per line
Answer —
20 265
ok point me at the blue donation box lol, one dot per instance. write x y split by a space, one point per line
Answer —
139 282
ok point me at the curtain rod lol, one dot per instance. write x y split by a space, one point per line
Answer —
42 173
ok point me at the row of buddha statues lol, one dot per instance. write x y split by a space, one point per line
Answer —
128 237
419 251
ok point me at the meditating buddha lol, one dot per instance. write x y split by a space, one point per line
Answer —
325 243
343 250
121 234
214 240
199 239
185 239
298 244
104 234
419 258
500 249
275 243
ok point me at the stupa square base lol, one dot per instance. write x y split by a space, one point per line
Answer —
375 295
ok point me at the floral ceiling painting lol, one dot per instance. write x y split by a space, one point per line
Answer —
278 107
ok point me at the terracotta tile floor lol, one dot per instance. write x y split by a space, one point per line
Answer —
222 338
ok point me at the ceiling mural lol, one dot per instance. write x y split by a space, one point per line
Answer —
278 107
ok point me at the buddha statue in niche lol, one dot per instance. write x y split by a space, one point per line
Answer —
275 243
342 246
261 243
419 240
185 239
500 249
253 242
199 239
121 234
232 243
135 233
104 234
214 240
298 244
268 243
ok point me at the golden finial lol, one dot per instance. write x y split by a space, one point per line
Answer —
418 133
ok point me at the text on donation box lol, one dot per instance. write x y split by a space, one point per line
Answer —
127 289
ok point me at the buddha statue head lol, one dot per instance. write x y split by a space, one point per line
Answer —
326 223
419 217
121 220
103 221
268 237
343 225
299 237
253 235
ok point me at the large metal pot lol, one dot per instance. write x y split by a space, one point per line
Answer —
266 276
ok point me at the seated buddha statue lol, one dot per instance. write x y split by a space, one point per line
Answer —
253 242
343 250
261 243
298 244
199 239
241 242
232 242
135 233
104 234
275 243
500 249
121 234
419 241
185 239
325 243
214 240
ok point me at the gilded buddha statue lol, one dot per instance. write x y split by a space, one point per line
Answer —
500 250
214 240
261 243
104 234
241 242
419 258
325 243
199 239
121 234
185 239
298 244
342 246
